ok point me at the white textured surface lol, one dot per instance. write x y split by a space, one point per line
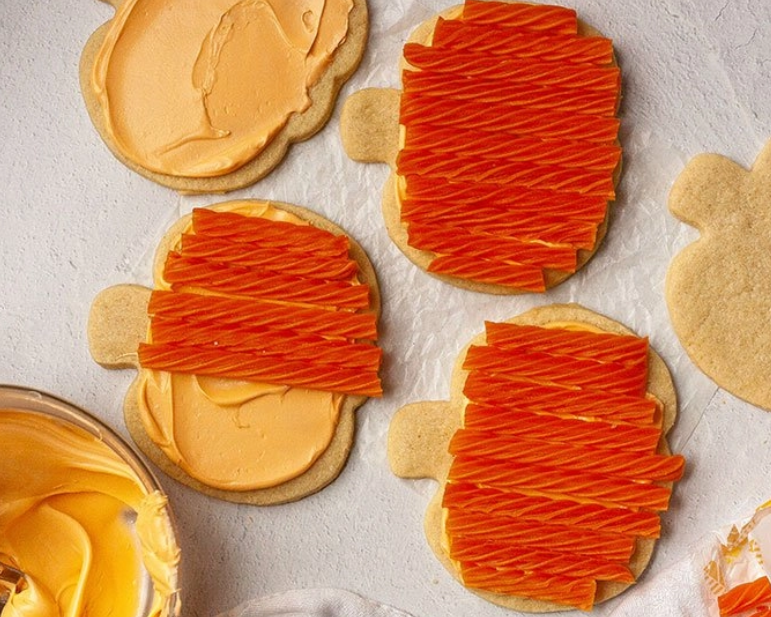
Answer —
73 221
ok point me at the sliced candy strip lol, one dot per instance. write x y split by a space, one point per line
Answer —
445 196
246 313
505 555
527 507
268 342
458 241
480 66
507 274
596 488
562 370
431 141
596 433
186 274
745 597
599 346
524 94
463 36
507 118
269 234
612 463
297 263
541 398
545 177
578 593
540 18
281 370
560 538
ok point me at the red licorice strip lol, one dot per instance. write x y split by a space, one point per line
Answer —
546 427
606 462
565 371
498 172
745 597
464 496
475 66
431 141
462 36
266 341
596 488
534 228
267 233
458 241
599 346
540 398
561 538
525 94
541 18
186 274
247 314
506 118
504 555
276 260
422 190
536 585
255 367
516 276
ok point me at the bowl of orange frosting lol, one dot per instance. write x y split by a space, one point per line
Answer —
81 515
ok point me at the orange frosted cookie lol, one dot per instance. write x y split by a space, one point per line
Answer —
254 349
207 98
552 460
502 142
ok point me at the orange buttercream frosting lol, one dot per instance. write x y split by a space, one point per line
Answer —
67 506
197 89
241 388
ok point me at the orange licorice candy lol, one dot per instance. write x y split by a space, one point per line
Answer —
267 341
575 592
507 118
564 371
612 463
457 241
429 141
502 172
535 228
463 36
505 555
281 370
481 66
296 263
745 597
248 314
525 94
560 538
517 276
422 192
599 346
189 274
539 18
541 398
267 233
558 429
529 507
604 490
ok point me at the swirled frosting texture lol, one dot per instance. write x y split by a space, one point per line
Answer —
197 89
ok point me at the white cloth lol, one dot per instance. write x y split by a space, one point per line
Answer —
314 603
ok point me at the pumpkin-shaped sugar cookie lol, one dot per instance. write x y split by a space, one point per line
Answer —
551 457
717 288
207 97
502 145
253 350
